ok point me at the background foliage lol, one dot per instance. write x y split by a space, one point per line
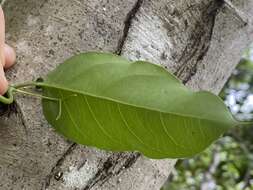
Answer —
227 164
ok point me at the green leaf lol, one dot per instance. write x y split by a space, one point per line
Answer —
115 104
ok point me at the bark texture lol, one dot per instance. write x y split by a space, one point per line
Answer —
201 41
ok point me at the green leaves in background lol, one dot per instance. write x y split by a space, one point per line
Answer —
114 104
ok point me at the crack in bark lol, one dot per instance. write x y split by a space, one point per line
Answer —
128 22
199 42
16 109
238 14
58 164
114 165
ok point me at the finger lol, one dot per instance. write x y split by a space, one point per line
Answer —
10 56
3 81
2 36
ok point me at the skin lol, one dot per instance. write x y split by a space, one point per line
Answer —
7 55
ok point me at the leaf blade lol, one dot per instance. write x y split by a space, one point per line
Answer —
137 106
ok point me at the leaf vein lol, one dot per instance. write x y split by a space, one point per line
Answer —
71 118
166 131
201 130
97 122
128 128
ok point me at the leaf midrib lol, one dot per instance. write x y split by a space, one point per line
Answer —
44 84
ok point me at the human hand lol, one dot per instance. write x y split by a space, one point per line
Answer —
7 55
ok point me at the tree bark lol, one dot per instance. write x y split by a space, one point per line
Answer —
200 41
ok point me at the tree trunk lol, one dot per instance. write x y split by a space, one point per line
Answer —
200 41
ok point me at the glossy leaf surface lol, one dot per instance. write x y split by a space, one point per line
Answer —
115 104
